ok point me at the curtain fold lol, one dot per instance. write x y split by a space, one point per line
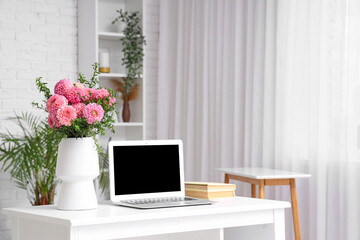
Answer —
212 53
268 83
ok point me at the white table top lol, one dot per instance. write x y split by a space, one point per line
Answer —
263 173
107 213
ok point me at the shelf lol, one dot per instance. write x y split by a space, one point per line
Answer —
128 124
97 31
111 75
110 35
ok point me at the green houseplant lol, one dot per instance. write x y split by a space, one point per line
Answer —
133 49
30 157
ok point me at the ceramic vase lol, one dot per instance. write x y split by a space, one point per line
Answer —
77 167
126 111
121 26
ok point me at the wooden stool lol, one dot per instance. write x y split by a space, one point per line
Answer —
268 177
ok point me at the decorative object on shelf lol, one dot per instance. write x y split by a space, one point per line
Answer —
126 111
30 158
78 112
120 25
119 21
133 43
104 60
133 93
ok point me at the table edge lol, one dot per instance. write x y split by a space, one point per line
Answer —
81 222
301 175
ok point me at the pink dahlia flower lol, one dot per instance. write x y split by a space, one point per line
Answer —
53 121
55 102
75 95
87 92
79 85
62 86
112 100
65 115
100 93
93 113
79 108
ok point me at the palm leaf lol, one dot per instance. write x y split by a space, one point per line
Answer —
104 180
31 157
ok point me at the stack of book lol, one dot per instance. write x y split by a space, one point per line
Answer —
208 190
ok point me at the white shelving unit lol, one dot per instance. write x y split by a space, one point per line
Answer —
95 32
110 36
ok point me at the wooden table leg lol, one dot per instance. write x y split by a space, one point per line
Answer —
295 211
253 190
226 180
262 189
273 182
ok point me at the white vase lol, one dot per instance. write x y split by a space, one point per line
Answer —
120 26
77 167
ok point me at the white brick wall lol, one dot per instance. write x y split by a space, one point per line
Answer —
37 38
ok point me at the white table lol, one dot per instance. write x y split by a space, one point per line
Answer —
114 222
268 177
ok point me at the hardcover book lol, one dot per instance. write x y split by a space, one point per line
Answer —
209 190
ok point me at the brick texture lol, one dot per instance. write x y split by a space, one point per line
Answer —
39 38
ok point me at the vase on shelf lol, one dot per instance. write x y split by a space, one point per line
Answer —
104 59
77 167
120 25
126 111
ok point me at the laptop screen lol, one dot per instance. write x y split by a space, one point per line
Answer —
146 169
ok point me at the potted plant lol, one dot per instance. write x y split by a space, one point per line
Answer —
30 157
133 54
78 112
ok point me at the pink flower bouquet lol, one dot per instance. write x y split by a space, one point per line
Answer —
79 109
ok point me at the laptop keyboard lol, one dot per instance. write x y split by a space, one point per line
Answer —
157 200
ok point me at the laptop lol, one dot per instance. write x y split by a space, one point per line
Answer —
148 174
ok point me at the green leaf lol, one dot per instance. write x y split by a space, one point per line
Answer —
132 43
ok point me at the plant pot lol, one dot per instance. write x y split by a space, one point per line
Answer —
77 167
126 111
120 26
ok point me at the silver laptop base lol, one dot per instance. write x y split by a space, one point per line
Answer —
151 203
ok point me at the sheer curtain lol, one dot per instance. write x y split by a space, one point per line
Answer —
211 79
317 74
268 83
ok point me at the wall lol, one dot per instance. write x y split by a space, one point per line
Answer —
37 38
151 65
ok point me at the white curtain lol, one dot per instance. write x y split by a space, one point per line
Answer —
316 130
270 83
211 73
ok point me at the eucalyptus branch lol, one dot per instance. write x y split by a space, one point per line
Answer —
29 159
94 78
42 86
94 81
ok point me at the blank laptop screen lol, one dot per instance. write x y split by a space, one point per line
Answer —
146 169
